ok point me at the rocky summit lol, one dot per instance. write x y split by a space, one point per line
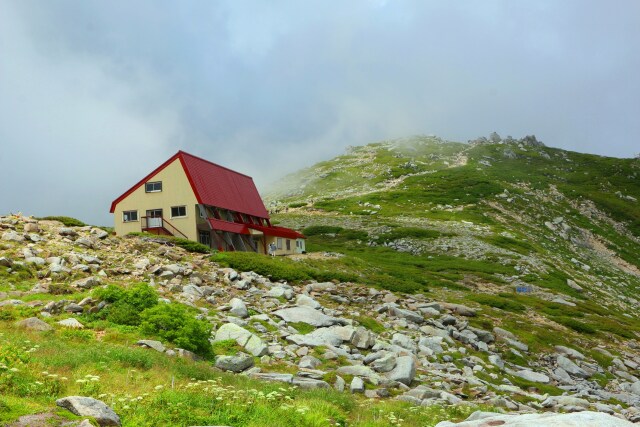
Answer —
441 279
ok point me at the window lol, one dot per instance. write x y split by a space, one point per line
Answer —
153 187
178 211
279 243
204 237
288 244
129 216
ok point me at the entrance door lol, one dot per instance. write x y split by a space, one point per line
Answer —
154 218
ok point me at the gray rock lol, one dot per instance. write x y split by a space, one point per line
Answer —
156 345
574 354
409 315
571 368
307 315
306 301
12 236
71 322
635 388
89 407
384 364
309 383
5 262
432 343
496 360
363 338
404 371
529 375
321 287
85 242
357 385
273 376
360 371
73 308
404 341
309 362
280 292
67 232
460 309
573 285
448 320
339 384
87 283
244 338
238 308
237 363
34 324
548 419
321 336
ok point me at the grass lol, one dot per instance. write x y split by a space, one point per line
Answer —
371 324
66 220
146 388
302 327
497 301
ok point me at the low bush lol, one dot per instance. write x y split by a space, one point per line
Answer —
186 244
315 230
177 324
297 205
126 305
497 302
407 232
576 325
66 220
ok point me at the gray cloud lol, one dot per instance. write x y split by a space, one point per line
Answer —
95 94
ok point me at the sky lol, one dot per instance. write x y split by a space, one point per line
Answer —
96 94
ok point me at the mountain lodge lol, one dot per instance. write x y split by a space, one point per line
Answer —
195 199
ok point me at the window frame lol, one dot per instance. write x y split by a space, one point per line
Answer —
146 187
124 213
288 244
279 243
178 207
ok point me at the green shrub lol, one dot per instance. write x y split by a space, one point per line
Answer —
177 324
126 304
353 234
315 230
297 205
370 323
60 289
66 220
186 244
407 232
577 326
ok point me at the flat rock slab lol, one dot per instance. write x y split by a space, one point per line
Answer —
307 315
71 323
244 338
576 419
34 324
89 407
156 345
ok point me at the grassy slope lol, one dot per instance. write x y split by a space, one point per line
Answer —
440 194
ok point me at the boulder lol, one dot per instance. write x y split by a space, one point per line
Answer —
404 371
238 308
409 315
363 338
548 419
12 236
460 309
5 262
309 362
71 322
574 354
89 407
156 345
309 383
321 336
307 315
34 324
307 301
237 363
87 283
385 363
532 376
244 338
571 368
357 385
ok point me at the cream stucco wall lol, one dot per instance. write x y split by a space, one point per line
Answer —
176 191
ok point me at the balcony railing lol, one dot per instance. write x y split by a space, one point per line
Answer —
152 224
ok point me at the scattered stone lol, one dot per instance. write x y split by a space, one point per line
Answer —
404 371
71 322
237 363
156 345
238 308
89 407
34 324
577 419
244 338
357 385
307 315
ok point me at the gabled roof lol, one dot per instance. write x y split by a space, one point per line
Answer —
212 185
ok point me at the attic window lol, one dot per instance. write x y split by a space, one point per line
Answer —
153 187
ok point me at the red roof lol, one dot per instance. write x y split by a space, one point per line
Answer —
213 185
277 231
233 227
